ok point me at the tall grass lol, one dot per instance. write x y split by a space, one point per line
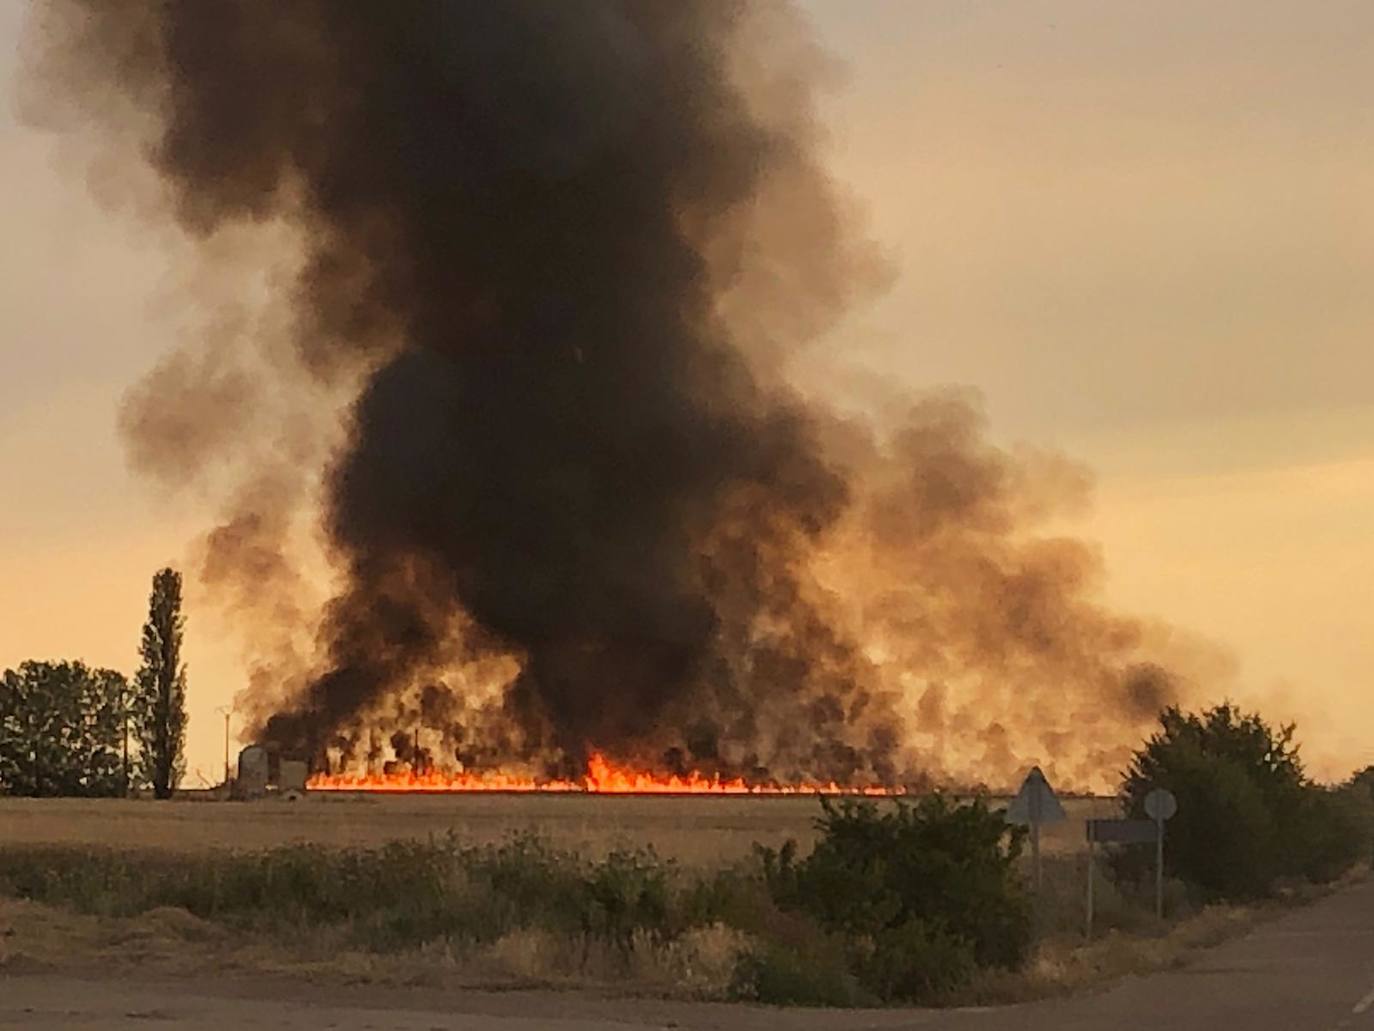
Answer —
524 899
631 917
398 896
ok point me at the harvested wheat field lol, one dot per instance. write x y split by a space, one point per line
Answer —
694 830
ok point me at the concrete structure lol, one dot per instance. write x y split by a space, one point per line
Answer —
254 773
292 775
264 771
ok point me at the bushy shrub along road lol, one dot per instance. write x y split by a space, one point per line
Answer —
1312 969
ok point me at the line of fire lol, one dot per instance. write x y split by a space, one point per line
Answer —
263 770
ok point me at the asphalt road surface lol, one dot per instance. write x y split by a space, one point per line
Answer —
1312 970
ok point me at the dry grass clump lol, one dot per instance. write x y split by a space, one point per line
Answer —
34 936
1062 965
698 964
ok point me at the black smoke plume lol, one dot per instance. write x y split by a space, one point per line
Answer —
564 248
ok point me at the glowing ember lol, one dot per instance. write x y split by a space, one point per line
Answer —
602 777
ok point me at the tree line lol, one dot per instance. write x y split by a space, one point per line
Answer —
69 729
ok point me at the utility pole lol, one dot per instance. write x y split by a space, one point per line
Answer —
124 716
228 712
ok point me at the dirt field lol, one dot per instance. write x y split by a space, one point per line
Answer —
693 830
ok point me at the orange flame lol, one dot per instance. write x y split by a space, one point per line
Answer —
602 777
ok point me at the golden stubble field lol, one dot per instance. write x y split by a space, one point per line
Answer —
694 830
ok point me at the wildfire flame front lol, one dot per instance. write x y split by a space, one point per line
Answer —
602 777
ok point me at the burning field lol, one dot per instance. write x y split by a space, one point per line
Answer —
602 778
497 389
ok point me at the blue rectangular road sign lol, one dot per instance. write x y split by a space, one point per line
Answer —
1126 832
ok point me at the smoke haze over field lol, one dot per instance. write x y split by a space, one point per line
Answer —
554 258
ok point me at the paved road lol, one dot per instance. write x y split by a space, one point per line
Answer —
1313 970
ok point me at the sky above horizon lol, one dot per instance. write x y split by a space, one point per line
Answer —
1142 232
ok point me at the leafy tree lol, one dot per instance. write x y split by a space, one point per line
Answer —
1225 837
159 707
1335 831
1247 814
1363 780
61 730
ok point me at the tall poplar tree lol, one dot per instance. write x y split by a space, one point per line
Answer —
159 703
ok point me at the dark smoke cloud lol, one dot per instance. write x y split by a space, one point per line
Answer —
565 250
947 567
507 209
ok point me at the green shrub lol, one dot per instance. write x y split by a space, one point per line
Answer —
525 882
736 896
924 892
627 892
788 974
914 961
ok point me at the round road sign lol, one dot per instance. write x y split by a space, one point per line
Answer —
1160 804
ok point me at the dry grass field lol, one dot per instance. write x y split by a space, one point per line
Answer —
694 830
183 904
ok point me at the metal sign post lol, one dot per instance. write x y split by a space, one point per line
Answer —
1035 804
1088 927
1121 832
1160 805
1159 869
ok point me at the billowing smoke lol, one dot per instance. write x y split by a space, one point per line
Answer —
556 256
979 616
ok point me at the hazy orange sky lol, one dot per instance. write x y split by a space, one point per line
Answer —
1143 231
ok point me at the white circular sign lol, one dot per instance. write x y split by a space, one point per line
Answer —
1160 804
